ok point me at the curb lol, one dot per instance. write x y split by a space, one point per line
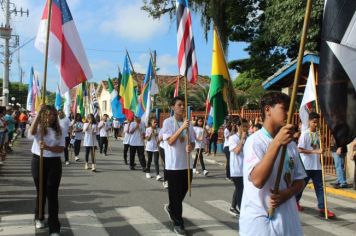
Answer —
338 192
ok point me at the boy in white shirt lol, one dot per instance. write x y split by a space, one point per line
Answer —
310 151
176 148
137 132
262 153
104 128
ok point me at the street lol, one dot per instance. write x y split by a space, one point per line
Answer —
117 201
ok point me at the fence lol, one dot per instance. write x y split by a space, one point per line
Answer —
253 114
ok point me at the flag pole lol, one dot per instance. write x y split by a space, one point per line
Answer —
43 116
133 69
188 138
293 97
321 145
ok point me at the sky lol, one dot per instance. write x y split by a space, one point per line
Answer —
107 28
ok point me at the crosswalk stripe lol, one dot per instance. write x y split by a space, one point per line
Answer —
143 222
220 204
84 223
319 223
333 200
17 225
206 222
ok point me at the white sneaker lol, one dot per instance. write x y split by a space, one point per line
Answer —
54 234
67 163
76 158
86 166
158 177
195 172
39 224
206 172
148 176
165 184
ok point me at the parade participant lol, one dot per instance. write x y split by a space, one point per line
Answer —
77 128
257 127
104 129
137 135
64 122
227 135
126 139
236 144
116 127
23 119
53 147
90 130
199 146
310 151
152 148
262 153
10 127
213 140
162 155
176 149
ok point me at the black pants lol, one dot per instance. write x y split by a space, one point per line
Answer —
199 151
126 149
116 133
23 129
77 147
141 156
98 139
214 141
91 151
239 188
177 189
163 157
227 155
104 144
149 161
66 145
52 173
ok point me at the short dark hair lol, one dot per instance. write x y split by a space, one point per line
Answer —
175 99
272 99
313 115
258 126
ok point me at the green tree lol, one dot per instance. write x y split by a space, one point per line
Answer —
197 99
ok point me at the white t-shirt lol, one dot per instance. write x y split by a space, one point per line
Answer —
160 136
78 135
255 202
226 136
104 128
115 124
310 161
50 139
90 135
126 134
199 133
151 144
136 137
65 123
236 160
175 154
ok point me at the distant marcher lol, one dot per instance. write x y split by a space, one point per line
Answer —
104 129
90 129
64 122
77 127
23 119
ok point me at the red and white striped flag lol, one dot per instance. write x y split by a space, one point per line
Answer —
187 62
65 46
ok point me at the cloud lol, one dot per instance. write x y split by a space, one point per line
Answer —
167 64
133 23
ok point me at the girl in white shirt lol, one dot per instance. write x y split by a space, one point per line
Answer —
126 139
236 143
199 146
227 134
152 147
53 147
77 126
104 128
90 129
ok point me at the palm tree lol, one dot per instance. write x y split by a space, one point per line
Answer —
197 98
163 97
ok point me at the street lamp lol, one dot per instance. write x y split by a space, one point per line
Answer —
13 99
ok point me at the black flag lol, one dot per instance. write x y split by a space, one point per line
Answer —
337 77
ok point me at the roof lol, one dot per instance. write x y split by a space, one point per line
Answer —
284 77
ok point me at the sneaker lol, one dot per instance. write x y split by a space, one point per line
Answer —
86 166
158 177
54 234
195 172
300 208
39 224
206 172
343 186
148 176
168 211
179 230
234 211
76 158
93 167
67 163
165 184
330 213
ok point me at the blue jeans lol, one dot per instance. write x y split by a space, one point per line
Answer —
317 179
339 161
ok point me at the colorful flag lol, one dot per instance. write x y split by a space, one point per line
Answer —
58 101
127 91
219 84
115 102
337 73
308 97
94 100
176 87
37 91
30 105
79 103
187 62
67 103
65 46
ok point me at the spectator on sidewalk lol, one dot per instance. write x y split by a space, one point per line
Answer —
23 119
353 157
2 135
9 119
339 155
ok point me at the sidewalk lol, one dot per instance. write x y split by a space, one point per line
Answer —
220 159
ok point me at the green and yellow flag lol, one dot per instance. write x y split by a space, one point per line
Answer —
219 84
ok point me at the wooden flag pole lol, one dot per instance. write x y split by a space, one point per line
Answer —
133 69
188 138
321 145
293 97
43 116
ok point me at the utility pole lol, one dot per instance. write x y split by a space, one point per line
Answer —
5 33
